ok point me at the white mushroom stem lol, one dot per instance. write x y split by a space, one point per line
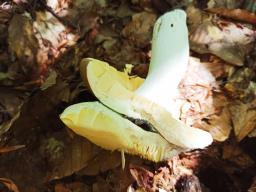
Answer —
170 54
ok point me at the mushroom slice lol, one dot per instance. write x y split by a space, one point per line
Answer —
116 90
111 131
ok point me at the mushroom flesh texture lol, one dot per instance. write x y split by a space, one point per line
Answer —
111 131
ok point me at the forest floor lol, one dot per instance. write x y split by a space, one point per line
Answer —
41 45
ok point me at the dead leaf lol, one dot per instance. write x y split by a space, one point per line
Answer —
102 162
142 176
230 4
7 149
139 30
241 84
229 41
11 102
243 118
253 133
50 80
23 43
203 105
68 157
9 185
236 14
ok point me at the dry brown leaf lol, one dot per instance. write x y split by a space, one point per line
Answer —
50 80
142 176
243 118
7 149
23 43
104 161
11 102
204 105
139 30
75 156
253 133
229 41
236 14
230 4
171 177
11 187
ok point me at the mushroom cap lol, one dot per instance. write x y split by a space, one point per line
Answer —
111 131
116 90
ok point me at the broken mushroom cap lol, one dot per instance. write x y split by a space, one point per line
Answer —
111 131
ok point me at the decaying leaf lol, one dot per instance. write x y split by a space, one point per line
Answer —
230 4
166 178
8 185
68 159
7 149
53 38
237 14
204 105
229 41
51 80
243 118
101 163
241 84
252 133
139 29
10 105
23 43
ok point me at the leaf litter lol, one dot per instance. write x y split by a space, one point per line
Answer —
41 47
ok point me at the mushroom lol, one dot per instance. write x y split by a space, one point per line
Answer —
111 131
152 100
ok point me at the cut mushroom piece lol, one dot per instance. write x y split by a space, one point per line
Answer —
111 131
116 90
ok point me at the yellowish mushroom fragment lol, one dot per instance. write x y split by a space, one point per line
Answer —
111 131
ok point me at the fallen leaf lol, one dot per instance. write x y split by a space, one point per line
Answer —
142 176
7 149
241 84
229 41
67 157
9 185
230 4
11 102
236 14
50 80
139 30
102 162
202 104
23 43
243 118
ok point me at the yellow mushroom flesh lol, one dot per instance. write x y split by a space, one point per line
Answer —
111 131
